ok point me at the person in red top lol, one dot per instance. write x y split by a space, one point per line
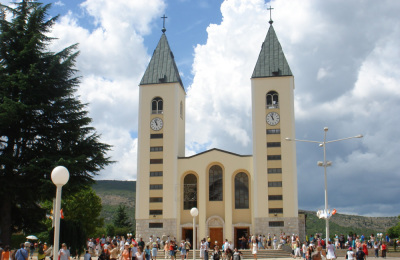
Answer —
384 250
364 248
172 250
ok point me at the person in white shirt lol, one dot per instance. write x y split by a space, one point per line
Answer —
231 246
226 245
330 249
350 254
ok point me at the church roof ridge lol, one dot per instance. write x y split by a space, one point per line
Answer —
214 149
162 67
271 61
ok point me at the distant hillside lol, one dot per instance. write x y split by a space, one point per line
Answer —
344 224
114 193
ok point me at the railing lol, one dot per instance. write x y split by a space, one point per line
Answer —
156 111
271 106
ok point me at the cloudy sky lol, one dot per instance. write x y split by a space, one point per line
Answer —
345 57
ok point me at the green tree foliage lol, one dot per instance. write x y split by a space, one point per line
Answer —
394 232
110 230
121 219
85 207
42 123
72 233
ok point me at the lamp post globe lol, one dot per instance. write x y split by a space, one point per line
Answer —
60 175
194 212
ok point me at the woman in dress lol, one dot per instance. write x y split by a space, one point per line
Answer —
154 250
254 248
365 249
330 249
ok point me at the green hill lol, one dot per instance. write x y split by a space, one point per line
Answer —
344 224
114 193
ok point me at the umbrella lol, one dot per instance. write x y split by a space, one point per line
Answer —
32 237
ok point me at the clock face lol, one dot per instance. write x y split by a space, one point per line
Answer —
273 118
156 124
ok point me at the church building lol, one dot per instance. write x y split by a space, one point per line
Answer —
235 194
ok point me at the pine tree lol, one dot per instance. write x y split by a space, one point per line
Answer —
121 219
42 123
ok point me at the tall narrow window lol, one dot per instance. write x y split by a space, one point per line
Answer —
272 100
181 110
241 191
215 183
189 191
157 106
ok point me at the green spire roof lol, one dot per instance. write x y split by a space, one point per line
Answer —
162 67
271 61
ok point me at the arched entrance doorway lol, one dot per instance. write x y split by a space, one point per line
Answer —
215 227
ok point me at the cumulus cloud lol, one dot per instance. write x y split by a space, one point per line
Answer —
345 70
343 54
111 62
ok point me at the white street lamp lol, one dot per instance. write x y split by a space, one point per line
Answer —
194 212
60 177
326 214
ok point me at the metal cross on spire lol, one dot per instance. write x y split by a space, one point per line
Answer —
163 29
270 14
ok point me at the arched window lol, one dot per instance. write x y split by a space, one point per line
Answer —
189 191
215 183
272 100
157 106
241 191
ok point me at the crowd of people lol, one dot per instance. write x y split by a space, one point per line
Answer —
121 248
357 247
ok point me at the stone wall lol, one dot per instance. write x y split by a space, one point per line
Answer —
291 226
302 226
143 230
